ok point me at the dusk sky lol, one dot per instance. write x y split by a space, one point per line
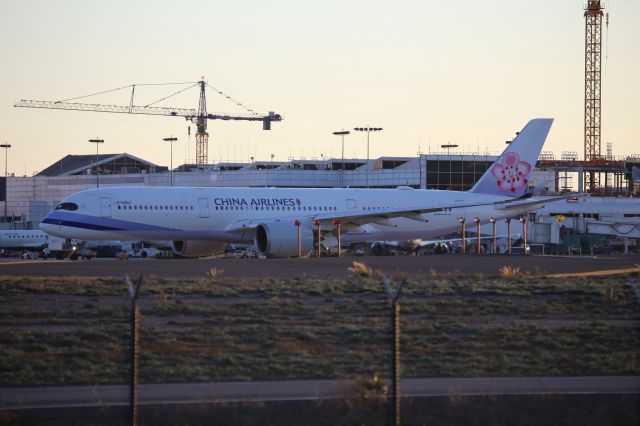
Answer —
460 71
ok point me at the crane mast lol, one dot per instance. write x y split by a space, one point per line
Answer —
202 137
592 87
199 117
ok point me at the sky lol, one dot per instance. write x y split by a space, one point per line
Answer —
429 73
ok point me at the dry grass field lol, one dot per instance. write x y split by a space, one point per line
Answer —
70 330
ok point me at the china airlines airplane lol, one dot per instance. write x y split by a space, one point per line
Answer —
201 221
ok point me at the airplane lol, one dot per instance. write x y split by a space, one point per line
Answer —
23 239
200 221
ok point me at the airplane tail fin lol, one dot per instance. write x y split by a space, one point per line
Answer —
510 174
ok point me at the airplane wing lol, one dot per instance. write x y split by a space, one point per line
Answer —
373 215
379 216
360 217
533 201
369 216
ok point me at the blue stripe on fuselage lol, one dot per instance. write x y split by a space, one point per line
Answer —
75 220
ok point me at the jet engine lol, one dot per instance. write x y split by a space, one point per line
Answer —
280 239
197 248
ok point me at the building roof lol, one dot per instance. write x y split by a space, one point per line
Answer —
107 163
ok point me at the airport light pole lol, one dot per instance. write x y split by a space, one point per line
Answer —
477 221
337 223
269 170
493 244
342 133
448 147
171 140
317 223
523 220
368 130
6 147
462 220
97 142
297 224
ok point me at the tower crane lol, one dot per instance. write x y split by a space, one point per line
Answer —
199 117
593 86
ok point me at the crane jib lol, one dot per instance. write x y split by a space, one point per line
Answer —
199 116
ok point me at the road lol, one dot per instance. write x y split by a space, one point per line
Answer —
224 392
486 265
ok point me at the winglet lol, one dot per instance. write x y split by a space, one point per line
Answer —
511 172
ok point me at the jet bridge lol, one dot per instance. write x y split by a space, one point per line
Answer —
617 229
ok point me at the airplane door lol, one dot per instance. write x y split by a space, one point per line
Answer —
351 204
105 207
203 207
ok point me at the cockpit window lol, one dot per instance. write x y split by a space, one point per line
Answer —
67 206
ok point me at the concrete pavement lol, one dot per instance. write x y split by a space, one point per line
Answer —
486 265
297 390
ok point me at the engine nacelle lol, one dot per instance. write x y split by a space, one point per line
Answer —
197 248
280 239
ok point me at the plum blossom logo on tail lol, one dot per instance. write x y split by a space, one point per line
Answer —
511 173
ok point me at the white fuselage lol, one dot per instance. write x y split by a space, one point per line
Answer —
175 213
23 239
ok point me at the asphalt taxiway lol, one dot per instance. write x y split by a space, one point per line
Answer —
485 265
299 390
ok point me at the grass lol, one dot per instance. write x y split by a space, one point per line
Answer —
75 330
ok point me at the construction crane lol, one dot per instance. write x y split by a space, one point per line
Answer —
199 117
592 87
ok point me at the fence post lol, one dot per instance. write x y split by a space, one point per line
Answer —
134 318
394 411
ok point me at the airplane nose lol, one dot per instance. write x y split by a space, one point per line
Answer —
45 227
49 228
